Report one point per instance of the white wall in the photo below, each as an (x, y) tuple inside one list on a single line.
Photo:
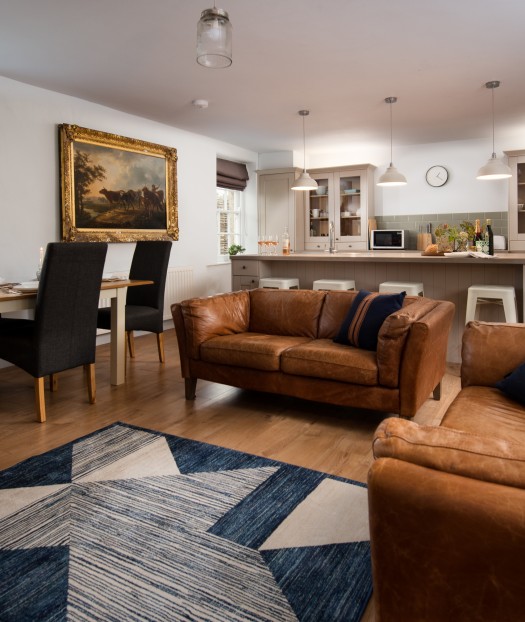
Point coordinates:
[(30, 195)]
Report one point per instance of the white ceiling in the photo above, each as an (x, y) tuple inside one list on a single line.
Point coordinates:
[(337, 58)]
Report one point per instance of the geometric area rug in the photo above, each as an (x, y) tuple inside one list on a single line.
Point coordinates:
[(128, 524)]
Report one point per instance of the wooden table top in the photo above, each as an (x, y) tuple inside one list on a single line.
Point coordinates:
[(104, 286)]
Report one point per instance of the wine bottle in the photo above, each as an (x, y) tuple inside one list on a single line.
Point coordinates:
[(286, 242), (478, 237), (489, 237)]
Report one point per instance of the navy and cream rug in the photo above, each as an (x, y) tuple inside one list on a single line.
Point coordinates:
[(129, 524)]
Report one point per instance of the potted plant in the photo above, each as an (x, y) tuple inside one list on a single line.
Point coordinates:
[(468, 227), (444, 238), (235, 249)]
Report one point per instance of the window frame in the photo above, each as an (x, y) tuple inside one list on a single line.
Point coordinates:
[(234, 213)]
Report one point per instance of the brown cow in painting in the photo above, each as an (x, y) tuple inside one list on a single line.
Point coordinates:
[(113, 196)]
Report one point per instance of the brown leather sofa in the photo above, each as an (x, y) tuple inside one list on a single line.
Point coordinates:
[(281, 341), (447, 503)]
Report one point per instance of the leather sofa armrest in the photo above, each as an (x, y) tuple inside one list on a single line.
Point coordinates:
[(451, 451), (490, 351), (204, 318), (424, 357), (444, 547)]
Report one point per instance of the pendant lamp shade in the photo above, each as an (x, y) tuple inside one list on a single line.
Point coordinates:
[(214, 39), (494, 168), (391, 177), (304, 181)]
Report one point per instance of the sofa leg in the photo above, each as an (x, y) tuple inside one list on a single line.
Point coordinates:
[(437, 391), (190, 384)]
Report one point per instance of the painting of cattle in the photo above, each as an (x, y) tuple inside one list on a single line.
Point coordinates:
[(116, 189)]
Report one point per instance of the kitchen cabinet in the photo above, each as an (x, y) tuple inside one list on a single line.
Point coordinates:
[(517, 200), (278, 206), (246, 273), (343, 200)]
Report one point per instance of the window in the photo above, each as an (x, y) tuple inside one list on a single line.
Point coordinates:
[(229, 216)]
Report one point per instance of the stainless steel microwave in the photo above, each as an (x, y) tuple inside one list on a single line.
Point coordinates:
[(388, 239)]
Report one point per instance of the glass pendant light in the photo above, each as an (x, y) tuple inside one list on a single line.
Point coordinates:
[(304, 181), (494, 168), (214, 39), (391, 177)]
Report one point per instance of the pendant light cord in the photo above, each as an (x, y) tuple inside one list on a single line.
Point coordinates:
[(493, 143), (391, 135), (390, 101), (304, 147)]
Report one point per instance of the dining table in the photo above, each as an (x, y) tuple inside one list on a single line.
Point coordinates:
[(112, 289)]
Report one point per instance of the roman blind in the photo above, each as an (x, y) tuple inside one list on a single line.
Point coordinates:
[(232, 175)]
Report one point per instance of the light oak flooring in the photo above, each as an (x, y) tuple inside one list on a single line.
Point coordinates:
[(332, 439)]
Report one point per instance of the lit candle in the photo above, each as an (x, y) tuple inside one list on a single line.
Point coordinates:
[(41, 257)]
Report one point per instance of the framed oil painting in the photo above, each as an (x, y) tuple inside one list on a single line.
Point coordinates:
[(116, 189)]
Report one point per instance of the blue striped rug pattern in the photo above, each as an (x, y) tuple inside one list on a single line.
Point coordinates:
[(129, 524)]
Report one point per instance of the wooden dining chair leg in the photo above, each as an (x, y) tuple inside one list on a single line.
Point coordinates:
[(160, 347), (131, 343), (92, 385), (53, 382), (40, 401)]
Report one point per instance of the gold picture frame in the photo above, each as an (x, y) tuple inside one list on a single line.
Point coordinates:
[(116, 189)]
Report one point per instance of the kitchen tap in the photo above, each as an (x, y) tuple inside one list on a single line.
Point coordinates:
[(331, 237)]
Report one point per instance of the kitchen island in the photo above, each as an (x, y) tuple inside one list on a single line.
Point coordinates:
[(443, 278)]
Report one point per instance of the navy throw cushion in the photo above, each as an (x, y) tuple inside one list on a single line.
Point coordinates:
[(513, 384), (365, 317)]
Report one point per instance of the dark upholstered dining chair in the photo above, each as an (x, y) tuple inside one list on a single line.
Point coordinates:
[(145, 304), (63, 332)]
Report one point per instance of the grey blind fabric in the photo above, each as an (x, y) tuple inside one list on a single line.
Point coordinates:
[(232, 175)]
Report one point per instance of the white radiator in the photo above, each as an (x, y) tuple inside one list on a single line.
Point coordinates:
[(179, 286)]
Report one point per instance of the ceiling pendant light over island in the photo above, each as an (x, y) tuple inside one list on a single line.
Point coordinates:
[(304, 181), (391, 177), (494, 168)]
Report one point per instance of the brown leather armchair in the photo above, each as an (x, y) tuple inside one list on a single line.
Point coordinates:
[(447, 503)]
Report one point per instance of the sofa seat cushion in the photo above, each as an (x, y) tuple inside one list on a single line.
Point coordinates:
[(252, 350), (488, 412), (322, 358)]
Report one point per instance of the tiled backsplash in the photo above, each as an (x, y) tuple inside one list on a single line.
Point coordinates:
[(413, 222)]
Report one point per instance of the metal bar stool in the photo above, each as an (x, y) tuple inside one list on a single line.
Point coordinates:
[(279, 283), (329, 284), (491, 294), (394, 287)]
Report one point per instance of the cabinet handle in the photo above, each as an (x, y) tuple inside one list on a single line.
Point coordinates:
[(244, 267)]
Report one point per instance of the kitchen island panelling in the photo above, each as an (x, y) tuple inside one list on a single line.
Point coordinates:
[(443, 278)]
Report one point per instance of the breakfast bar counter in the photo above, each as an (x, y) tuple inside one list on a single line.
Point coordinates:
[(443, 277)]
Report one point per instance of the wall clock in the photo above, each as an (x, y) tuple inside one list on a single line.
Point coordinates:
[(437, 176)]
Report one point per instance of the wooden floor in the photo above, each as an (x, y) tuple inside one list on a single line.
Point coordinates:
[(332, 439)]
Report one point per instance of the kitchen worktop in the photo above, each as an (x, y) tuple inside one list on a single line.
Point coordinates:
[(387, 256)]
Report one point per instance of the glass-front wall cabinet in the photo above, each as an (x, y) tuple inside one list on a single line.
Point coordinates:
[(517, 201), (341, 204)]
